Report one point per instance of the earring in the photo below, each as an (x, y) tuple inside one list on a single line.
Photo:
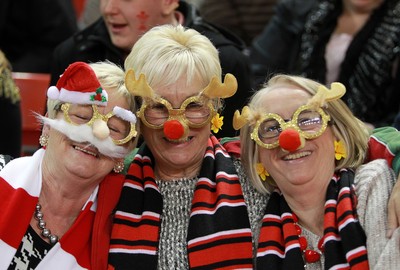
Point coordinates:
[(216, 123), (340, 150), (261, 171), (119, 166), (43, 140)]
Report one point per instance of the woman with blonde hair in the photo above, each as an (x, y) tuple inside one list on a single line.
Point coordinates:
[(185, 203), (303, 148)]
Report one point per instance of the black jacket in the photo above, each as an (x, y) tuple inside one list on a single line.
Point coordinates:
[(276, 48), (93, 44), (30, 30), (294, 42)]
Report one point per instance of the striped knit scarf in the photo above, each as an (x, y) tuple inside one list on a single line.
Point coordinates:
[(344, 239), (20, 185), (219, 234)]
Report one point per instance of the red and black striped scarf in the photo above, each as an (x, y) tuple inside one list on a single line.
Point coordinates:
[(344, 239), (219, 234)]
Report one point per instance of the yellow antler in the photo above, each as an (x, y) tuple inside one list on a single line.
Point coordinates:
[(239, 120), (138, 87), (324, 94), (216, 89)]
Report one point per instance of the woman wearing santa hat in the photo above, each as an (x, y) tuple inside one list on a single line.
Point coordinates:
[(57, 204)]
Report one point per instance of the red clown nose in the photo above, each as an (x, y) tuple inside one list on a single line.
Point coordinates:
[(290, 140), (173, 129)]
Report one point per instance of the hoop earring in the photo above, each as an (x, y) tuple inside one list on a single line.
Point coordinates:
[(119, 166), (44, 140)]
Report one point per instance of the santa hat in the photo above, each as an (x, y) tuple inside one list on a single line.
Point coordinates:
[(79, 85)]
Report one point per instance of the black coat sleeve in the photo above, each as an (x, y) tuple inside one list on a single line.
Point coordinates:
[(273, 50)]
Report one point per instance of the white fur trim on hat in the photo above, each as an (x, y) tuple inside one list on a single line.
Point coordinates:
[(82, 97)]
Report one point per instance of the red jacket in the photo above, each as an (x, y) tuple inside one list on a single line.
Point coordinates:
[(109, 192)]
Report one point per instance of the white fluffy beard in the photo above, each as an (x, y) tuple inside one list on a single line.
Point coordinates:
[(84, 134)]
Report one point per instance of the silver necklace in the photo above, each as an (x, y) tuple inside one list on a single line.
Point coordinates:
[(42, 225)]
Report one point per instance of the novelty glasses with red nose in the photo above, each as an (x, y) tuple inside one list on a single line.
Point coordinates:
[(121, 129), (195, 112), (309, 122)]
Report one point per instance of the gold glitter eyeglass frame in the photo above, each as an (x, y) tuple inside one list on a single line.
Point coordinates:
[(177, 113), (293, 123), (97, 115)]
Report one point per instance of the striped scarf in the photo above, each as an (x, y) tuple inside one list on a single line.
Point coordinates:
[(219, 234), (20, 185), (344, 239)]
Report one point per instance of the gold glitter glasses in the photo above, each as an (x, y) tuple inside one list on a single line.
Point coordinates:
[(121, 130), (195, 112), (310, 123)]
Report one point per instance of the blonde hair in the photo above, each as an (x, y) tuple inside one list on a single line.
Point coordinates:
[(345, 126), (167, 52), (8, 88)]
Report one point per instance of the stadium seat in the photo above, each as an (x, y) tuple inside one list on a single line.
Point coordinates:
[(33, 88)]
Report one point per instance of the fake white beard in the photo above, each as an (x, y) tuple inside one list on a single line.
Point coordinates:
[(84, 134)]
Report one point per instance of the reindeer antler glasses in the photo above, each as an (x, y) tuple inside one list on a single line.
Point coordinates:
[(194, 112), (308, 121)]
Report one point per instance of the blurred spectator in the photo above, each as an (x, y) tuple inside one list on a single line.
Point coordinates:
[(195, 3), (353, 42), (10, 111), (123, 22), (30, 30), (90, 14), (245, 18)]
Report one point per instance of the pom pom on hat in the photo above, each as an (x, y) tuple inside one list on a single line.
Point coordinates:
[(78, 85), (53, 93)]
